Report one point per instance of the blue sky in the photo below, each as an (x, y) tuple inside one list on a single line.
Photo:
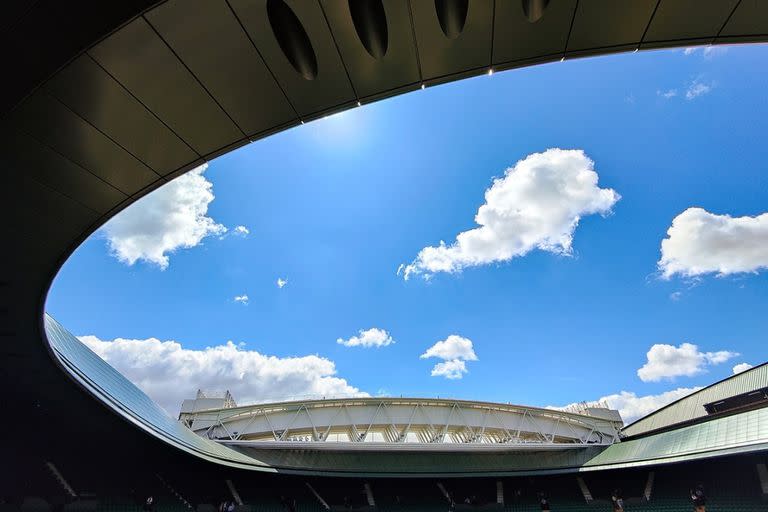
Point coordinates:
[(335, 206)]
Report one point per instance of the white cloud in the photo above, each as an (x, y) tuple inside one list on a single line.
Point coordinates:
[(241, 231), (707, 51), (676, 296), (281, 282), (670, 93), (712, 51), (372, 337), (169, 373), (696, 89), (632, 407), (668, 361), (741, 367), (453, 347), (699, 242), (537, 204), (454, 351), (453, 369), (172, 217), (243, 299)]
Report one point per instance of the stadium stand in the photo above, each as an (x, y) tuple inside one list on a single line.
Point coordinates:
[(732, 485)]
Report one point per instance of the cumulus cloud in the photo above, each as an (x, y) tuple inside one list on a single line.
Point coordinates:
[(676, 296), (453, 347), (242, 299), (372, 337), (633, 407), (169, 373), (453, 369), (699, 242), (172, 217), (281, 282), (741, 367), (454, 351), (696, 89), (668, 361), (241, 231), (537, 204)]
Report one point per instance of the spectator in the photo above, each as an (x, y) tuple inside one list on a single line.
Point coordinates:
[(288, 505), (544, 502), (618, 501), (699, 499)]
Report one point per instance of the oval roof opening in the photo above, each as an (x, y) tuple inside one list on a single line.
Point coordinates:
[(292, 38), (370, 22), (534, 9), (452, 15)]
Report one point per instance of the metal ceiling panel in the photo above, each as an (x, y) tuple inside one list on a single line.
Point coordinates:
[(52, 123), (517, 39), (46, 207), (95, 96), (331, 87), (139, 59), (440, 54), (688, 19), (207, 36), (609, 23), (750, 19), (46, 166), (371, 75), (50, 34), (13, 11)]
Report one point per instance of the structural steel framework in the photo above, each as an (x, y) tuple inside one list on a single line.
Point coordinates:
[(395, 423)]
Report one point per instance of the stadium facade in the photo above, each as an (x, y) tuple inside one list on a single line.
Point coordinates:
[(104, 102)]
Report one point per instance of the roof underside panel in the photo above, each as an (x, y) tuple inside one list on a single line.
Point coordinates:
[(209, 39)]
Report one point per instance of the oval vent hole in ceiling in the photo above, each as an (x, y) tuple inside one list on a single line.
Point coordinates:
[(534, 9), (292, 38), (371, 25), (452, 15)]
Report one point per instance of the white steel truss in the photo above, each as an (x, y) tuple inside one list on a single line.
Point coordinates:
[(402, 423)]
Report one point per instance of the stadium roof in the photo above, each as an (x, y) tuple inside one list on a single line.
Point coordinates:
[(691, 407), (104, 102), (391, 423), (744, 432)]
